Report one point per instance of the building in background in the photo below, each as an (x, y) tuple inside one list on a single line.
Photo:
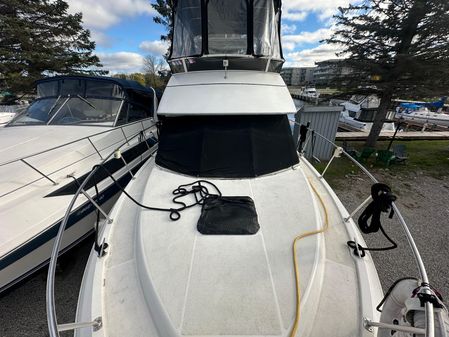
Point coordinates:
[(295, 76), (327, 71)]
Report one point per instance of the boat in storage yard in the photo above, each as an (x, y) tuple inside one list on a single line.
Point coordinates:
[(48, 149), (226, 231)]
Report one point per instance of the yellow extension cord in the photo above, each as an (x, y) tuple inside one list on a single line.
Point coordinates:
[(299, 237)]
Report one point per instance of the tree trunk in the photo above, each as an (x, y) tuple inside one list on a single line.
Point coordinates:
[(414, 17), (381, 114)]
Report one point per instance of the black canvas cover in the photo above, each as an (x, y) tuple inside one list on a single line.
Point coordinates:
[(226, 146), (228, 216)]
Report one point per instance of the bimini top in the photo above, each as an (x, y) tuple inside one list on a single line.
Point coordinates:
[(244, 32), (87, 100), (87, 86)]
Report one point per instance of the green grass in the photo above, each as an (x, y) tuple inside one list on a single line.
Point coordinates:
[(424, 157)]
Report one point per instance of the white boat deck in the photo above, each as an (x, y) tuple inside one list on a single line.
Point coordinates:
[(27, 213), (177, 282)]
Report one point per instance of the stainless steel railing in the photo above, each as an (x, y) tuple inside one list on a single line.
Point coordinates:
[(25, 159), (53, 326), (430, 328)]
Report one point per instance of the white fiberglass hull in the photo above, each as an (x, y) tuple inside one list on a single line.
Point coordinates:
[(430, 118), (163, 278), (350, 122), (36, 253), (31, 207)]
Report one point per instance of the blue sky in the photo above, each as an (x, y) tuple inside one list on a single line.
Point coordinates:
[(124, 31)]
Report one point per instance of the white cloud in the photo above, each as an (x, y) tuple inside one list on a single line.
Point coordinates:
[(156, 47), (297, 10), (295, 15), (99, 15), (121, 62), (288, 29), (100, 38), (308, 37), (102, 14), (308, 57)]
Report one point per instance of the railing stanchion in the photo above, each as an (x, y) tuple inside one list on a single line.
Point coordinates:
[(337, 153), (96, 324), (117, 155), (41, 173), (91, 143), (96, 205), (395, 327), (363, 204), (124, 135)]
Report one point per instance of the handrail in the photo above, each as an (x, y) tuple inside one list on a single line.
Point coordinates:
[(88, 138), (430, 329), (72, 142), (50, 296)]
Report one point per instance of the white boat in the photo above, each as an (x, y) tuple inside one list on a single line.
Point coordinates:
[(266, 253), (50, 147), (310, 92), (421, 115), (347, 120), (359, 113)]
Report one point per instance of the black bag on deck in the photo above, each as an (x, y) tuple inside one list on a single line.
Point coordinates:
[(228, 216)]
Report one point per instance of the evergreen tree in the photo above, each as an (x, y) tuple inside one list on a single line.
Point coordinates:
[(165, 18), (401, 46), (38, 38)]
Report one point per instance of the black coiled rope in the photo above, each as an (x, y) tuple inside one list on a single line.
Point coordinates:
[(382, 202), (197, 188)]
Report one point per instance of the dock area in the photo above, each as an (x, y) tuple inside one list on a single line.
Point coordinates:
[(385, 135)]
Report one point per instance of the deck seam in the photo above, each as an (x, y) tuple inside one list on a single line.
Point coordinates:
[(276, 300)]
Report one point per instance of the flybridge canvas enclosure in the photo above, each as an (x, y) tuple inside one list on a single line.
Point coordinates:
[(227, 27), (207, 31)]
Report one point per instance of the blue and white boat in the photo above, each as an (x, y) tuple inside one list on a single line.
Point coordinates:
[(421, 113), (48, 149)]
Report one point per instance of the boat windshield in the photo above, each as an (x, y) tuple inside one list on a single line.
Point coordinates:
[(70, 111)]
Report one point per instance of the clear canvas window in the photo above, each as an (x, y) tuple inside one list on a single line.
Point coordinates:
[(227, 26), (187, 39), (47, 89), (266, 29), (103, 89), (72, 87)]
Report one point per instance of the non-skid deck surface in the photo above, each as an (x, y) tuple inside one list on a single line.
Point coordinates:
[(193, 284)]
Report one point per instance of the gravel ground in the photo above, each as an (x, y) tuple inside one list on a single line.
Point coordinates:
[(424, 204), (423, 200), (22, 309)]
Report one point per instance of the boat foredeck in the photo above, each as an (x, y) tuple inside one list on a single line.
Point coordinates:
[(180, 282)]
